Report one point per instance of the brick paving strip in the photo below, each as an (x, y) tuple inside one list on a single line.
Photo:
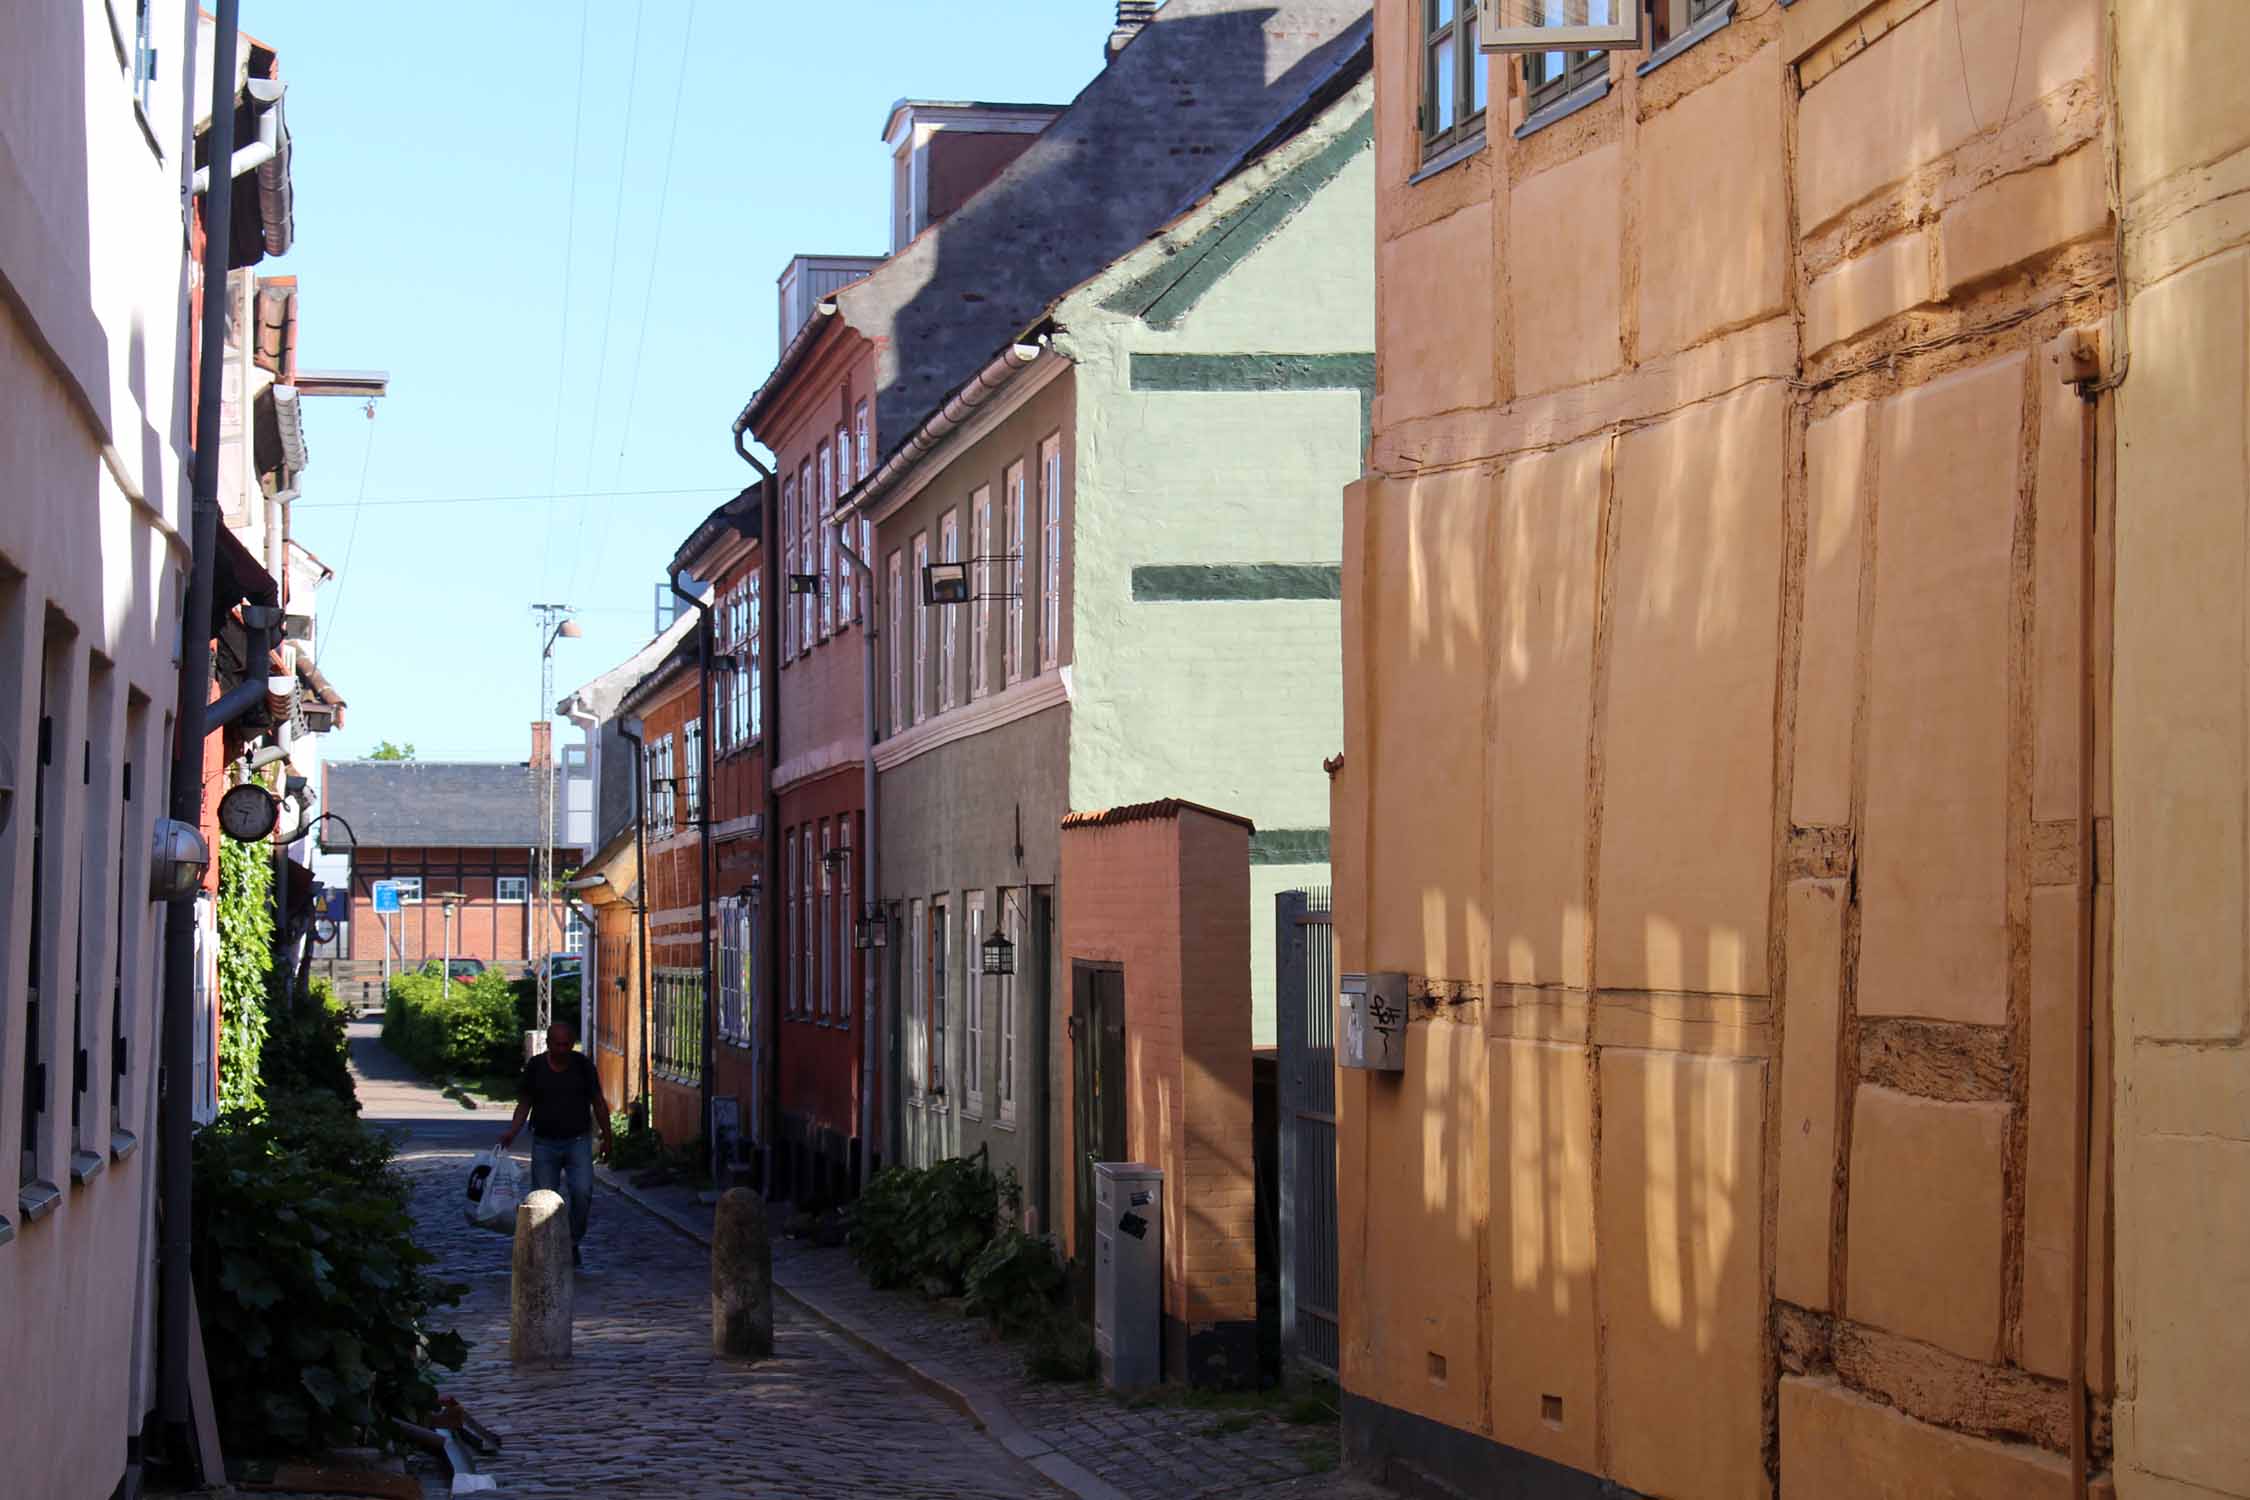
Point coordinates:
[(1086, 1441)]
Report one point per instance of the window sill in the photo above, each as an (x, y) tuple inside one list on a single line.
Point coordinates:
[(1004, 1124), (122, 1144), (85, 1166), (7, 1230), (36, 1200), (1451, 156), (1563, 108), (1714, 22)]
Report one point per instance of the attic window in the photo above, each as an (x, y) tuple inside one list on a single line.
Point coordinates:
[(1453, 75)]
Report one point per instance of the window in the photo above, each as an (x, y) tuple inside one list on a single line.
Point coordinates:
[(736, 976), (1675, 18), (33, 1041), (690, 774), (1006, 1069), (827, 544), (921, 630), (937, 997), (846, 913), (1550, 77), (788, 564), (1453, 76), (144, 57), (972, 1030), (574, 935), (866, 454), (805, 942), (755, 641), (867, 556), (678, 1039), (808, 561), (1050, 551), (949, 634), (821, 936), (1011, 637), (513, 888), (847, 587), (793, 983), (917, 1005), (661, 802), (897, 623), (409, 889), (980, 574)]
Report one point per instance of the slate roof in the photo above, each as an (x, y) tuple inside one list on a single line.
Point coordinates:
[(1203, 83), (434, 803)]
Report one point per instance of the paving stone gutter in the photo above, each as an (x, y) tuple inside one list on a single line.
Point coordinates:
[(684, 1210)]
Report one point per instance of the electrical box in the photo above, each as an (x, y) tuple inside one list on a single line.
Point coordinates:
[(1129, 1273), (1371, 1022)]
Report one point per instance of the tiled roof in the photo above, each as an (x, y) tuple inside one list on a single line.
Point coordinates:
[(434, 803), (1150, 812), (1204, 82)]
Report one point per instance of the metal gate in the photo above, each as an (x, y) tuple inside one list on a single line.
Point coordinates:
[(1305, 1023)]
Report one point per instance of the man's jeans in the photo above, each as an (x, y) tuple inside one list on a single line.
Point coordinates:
[(570, 1159)]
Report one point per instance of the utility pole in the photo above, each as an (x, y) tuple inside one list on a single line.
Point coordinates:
[(554, 623)]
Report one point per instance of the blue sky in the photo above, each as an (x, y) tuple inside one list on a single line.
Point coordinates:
[(434, 191)]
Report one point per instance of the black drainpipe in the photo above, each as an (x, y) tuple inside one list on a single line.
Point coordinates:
[(706, 875), (176, 1107), (772, 603)]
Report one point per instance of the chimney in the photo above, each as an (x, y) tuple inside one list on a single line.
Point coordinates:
[(542, 743), (1132, 15)]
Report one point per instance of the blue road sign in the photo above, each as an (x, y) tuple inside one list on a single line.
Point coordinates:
[(386, 896)]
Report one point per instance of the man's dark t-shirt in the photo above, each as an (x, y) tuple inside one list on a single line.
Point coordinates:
[(562, 1100)]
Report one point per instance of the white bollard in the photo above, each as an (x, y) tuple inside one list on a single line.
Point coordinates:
[(539, 1305)]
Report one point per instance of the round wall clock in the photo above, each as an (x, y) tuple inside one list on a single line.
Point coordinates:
[(248, 812)]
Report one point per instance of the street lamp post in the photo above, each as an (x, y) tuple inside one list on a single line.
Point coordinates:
[(451, 901), (555, 623)]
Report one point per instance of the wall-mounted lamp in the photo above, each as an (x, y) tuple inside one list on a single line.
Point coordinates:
[(804, 583), (945, 583)]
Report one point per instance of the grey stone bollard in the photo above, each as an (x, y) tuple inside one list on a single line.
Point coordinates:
[(741, 1278), (539, 1304)]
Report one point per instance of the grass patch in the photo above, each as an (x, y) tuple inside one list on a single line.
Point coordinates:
[(1318, 1457)]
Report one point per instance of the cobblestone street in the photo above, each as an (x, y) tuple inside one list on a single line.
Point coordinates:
[(864, 1398)]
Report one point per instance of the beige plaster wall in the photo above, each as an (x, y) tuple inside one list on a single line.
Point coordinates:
[(1712, 669), (2183, 1071)]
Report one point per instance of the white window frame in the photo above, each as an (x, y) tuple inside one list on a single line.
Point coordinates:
[(866, 453), (897, 624), (847, 587), (520, 884), (827, 543), (949, 629), (845, 915), (808, 615), (793, 982), (1012, 642), (917, 1005), (1504, 28), (921, 629), (941, 995), (822, 966), (1005, 1065), (788, 563), (755, 642), (807, 944), (1050, 551), (972, 991), (980, 623)]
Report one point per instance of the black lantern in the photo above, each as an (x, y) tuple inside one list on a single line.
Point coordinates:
[(999, 954), (804, 583), (870, 932)]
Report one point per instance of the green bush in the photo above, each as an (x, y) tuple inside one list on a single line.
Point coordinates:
[(1014, 1281), (306, 1048), (633, 1143), (925, 1225), (1060, 1349), (317, 1304), (565, 1002), (473, 1030), (245, 925)]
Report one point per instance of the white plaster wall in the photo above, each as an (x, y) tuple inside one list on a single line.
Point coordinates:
[(92, 405), (1234, 704)]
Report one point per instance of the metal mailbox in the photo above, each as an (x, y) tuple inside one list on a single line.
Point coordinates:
[(1371, 1022), (1129, 1273)]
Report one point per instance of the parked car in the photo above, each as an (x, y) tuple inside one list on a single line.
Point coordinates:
[(463, 968), (563, 965)]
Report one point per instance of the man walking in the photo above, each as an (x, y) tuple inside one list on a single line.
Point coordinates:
[(561, 1094)]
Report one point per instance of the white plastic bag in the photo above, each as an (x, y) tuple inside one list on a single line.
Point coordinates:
[(495, 1188)]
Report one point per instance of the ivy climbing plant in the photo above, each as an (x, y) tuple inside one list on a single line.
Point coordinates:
[(245, 959)]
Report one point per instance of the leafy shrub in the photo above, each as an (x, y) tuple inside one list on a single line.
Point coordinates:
[(306, 1047), (316, 1302), (1014, 1280), (879, 1236), (1060, 1349), (925, 1225), (633, 1143), (526, 991), (472, 1030), (245, 924)]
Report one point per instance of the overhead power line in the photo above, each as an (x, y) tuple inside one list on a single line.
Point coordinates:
[(699, 489), (570, 246)]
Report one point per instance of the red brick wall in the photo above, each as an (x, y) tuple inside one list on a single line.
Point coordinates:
[(483, 926), (820, 1059), (1168, 899)]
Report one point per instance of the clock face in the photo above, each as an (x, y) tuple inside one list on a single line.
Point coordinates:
[(248, 812)]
